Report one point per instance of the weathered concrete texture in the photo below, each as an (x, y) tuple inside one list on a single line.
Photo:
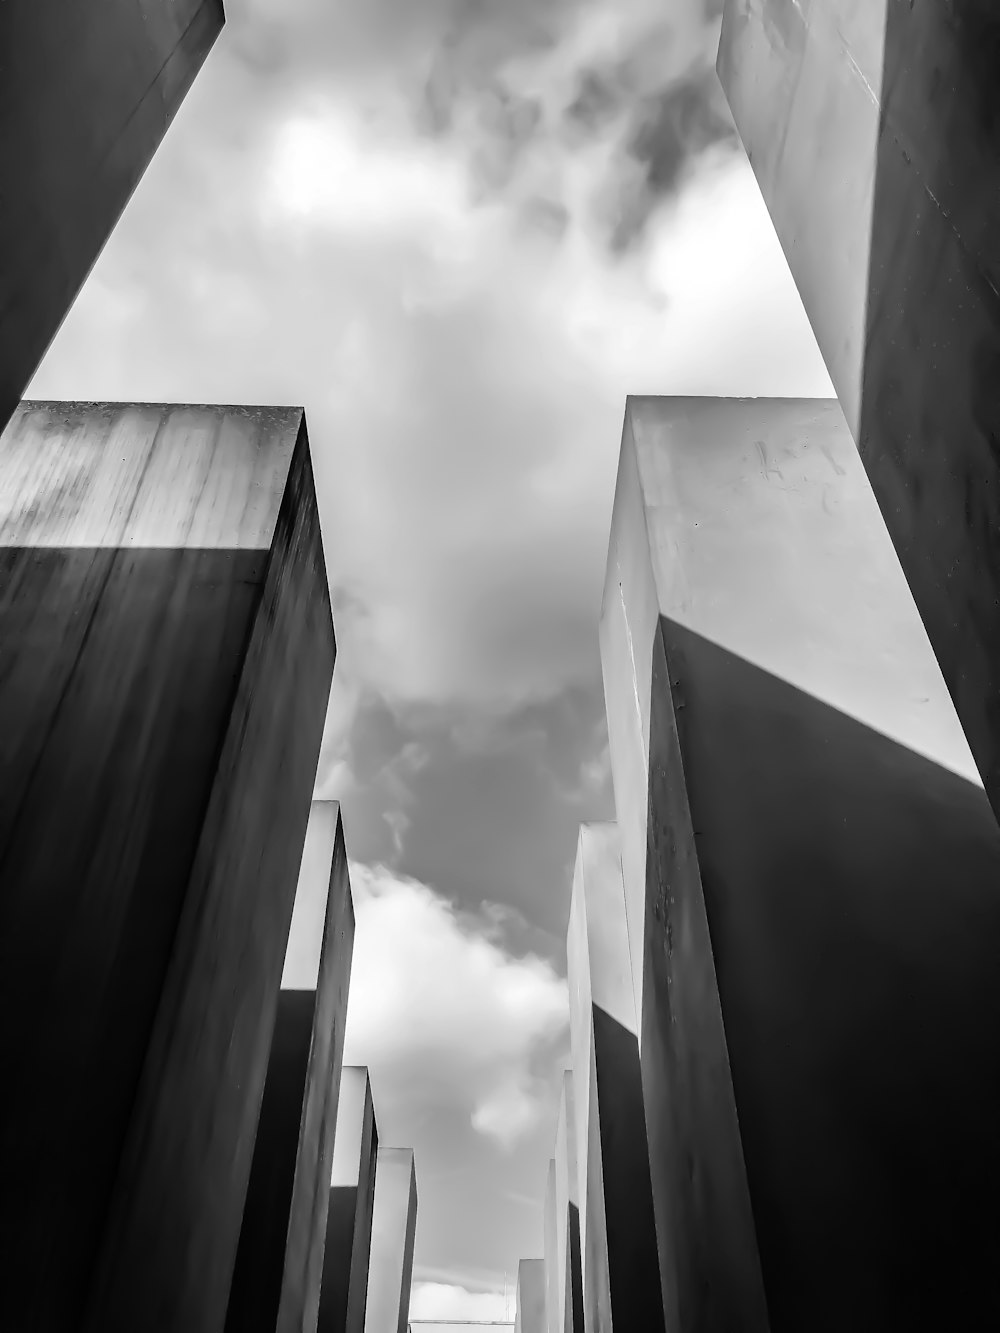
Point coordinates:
[(352, 1195), (86, 94), (874, 132), (812, 962), (531, 1316), (279, 1262), (167, 656), (621, 1278), (394, 1225)]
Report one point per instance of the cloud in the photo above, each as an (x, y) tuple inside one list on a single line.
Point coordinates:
[(445, 1300), (445, 1008)]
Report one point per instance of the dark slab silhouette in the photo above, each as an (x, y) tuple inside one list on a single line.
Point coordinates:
[(87, 92), (874, 131), (276, 1279), (349, 1221), (824, 920), (162, 706)]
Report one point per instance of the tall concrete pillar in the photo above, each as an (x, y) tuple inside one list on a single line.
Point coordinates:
[(352, 1196), (621, 1277), (814, 901), (531, 1313), (394, 1226), (86, 94), (872, 130), (565, 1279), (167, 650), (554, 1277), (279, 1262)]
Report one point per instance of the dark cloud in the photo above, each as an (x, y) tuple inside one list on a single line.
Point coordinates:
[(598, 98), (677, 123)]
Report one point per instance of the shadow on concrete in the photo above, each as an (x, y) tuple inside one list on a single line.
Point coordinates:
[(929, 431), (835, 897)]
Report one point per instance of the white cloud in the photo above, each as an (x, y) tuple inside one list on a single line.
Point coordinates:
[(443, 1300), (439, 1003)]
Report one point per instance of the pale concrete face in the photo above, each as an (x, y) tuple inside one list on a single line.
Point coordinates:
[(751, 522), (872, 126), (305, 937), (553, 1306), (393, 1223), (355, 1092), (600, 973), (805, 86), (531, 1297), (145, 475)]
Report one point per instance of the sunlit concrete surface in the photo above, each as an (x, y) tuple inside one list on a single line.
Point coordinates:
[(394, 1223), (531, 1315), (621, 1279), (872, 127), (819, 901), (167, 651), (554, 1276), (352, 1196), (86, 94), (569, 1284), (279, 1263), (751, 522)]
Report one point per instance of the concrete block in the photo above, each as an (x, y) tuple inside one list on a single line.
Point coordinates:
[(874, 132), (621, 1277), (821, 912), (554, 1276), (531, 1314), (86, 95), (394, 1225), (569, 1276), (352, 1196), (168, 650), (279, 1262)]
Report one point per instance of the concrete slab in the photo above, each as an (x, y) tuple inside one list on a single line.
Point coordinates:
[(872, 127), (828, 1144), (567, 1196), (352, 1196), (86, 94), (394, 1224), (531, 1314), (621, 1278), (279, 1262), (168, 650), (554, 1276)]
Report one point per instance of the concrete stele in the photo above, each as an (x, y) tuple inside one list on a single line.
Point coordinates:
[(531, 1311), (620, 1274), (871, 128), (352, 1195), (279, 1263), (168, 650), (785, 825), (394, 1222)]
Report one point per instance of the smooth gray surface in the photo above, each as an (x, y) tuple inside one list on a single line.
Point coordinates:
[(394, 1221), (279, 1263), (347, 1252), (620, 1273), (751, 521), (873, 127), (87, 92), (821, 901), (531, 1316), (162, 696)]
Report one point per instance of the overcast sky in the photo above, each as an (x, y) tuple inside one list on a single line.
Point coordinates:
[(459, 232)]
